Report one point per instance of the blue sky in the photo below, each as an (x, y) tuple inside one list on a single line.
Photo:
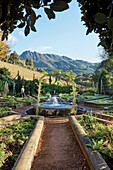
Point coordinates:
[(65, 35)]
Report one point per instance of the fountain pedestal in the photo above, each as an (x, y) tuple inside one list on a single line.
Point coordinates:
[(55, 106)]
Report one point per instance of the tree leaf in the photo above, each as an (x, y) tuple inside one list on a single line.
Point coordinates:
[(21, 25), (110, 22), (67, 1), (59, 6), (100, 18), (0, 11), (38, 16), (33, 28), (49, 13), (27, 30), (46, 1), (28, 9), (33, 17)]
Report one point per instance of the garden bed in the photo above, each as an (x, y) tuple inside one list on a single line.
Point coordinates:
[(15, 102), (9, 118), (13, 138), (95, 103), (93, 157), (102, 115)]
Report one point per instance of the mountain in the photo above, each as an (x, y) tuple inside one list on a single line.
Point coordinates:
[(50, 62)]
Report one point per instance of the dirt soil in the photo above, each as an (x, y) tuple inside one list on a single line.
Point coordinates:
[(58, 148)]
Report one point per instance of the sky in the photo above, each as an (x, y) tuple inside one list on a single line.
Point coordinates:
[(65, 36)]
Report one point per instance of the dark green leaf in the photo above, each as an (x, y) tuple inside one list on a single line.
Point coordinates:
[(90, 29), (33, 28), (3, 37), (38, 16), (28, 9), (46, 1), (0, 11), (110, 22), (67, 1), (49, 13), (27, 30), (59, 6), (21, 25), (100, 18), (28, 22), (33, 17)]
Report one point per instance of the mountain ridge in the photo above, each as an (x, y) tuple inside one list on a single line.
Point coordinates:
[(50, 62)]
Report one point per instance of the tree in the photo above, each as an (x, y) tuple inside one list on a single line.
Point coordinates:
[(105, 80), (57, 74), (68, 76), (98, 17), (22, 13), (14, 58), (4, 50), (4, 73), (29, 62)]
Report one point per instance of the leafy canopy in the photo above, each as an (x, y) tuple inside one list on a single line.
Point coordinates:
[(22, 13), (98, 17)]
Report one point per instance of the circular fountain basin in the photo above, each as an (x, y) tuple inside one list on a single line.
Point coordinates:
[(55, 106), (60, 109)]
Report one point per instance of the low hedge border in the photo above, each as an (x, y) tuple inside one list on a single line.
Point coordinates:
[(94, 158)]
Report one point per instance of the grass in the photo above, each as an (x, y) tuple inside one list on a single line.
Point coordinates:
[(24, 72)]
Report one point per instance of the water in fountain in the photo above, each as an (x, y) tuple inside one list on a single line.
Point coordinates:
[(55, 106), (54, 102)]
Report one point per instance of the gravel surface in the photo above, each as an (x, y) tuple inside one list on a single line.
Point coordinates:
[(58, 148)]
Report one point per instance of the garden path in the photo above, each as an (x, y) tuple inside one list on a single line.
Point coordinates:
[(58, 148), (22, 110)]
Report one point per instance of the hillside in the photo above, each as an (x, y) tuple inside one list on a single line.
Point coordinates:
[(50, 62), (24, 72), (27, 73)]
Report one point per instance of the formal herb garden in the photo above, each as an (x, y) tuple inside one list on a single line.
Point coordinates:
[(5, 111), (101, 136), (12, 139)]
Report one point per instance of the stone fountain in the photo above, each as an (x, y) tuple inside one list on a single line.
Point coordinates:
[(55, 106)]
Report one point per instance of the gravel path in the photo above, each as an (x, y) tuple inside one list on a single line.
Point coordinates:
[(58, 148)]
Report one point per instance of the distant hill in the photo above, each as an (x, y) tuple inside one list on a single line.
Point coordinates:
[(50, 62), (23, 72)]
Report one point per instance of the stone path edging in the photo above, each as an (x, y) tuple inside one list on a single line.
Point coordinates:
[(9, 118), (24, 160), (94, 159)]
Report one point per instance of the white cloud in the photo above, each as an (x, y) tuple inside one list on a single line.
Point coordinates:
[(21, 33), (44, 48), (12, 39)]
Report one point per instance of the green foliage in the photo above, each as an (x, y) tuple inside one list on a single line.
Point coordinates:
[(21, 14), (100, 134), (14, 58), (2, 84), (12, 138), (98, 16), (4, 111), (29, 62)]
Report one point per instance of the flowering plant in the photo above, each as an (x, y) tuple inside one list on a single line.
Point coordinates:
[(100, 134), (12, 138)]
